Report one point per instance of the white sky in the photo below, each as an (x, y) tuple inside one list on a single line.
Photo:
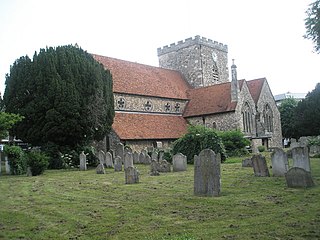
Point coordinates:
[(265, 37)]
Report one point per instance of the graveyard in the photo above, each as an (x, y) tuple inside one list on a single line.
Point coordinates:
[(73, 204)]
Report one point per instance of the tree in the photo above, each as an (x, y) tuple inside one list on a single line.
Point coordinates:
[(307, 114), (312, 24), (234, 142), (287, 111), (7, 121), (64, 94)]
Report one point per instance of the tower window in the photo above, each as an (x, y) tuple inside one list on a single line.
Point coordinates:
[(247, 118)]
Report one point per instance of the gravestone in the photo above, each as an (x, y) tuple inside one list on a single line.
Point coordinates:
[(128, 160), (293, 143), (83, 161), (260, 167), (161, 153), (127, 150), (145, 152), (7, 165), (119, 151), (300, 157), (247, 162), (142, 157), (207, 181), (154, 166), (279, 160), (102, 157), (117, 164), (154, 156), (164, 166), (179, 162), (131, 175), (29, 172), (303, 142), (135, 157), (108, 160), (100, 169), (147, 159), (298, 177), (314, 151)]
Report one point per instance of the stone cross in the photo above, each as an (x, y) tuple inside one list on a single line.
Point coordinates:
[(179, 162), (279, 161), (83, 161), (298, 177), (131, 175), (260, 167), (207, 180), (117, 164), (300, 157), (108, 160)]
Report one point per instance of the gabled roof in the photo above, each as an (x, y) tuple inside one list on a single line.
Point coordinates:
[(210, 100), (133, 126), (255, 87), (135, 78)]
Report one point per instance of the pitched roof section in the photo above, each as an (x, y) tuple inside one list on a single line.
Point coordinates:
[(255, 87), (135, 78), (132, 126), (210, 100)]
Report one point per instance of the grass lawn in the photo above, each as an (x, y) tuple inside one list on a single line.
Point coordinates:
[(65, 204)]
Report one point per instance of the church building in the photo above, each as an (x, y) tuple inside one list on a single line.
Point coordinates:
[(154, 105)]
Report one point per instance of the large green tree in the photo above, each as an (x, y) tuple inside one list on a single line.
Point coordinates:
[(287, 111), (312, 24), (63, 93)]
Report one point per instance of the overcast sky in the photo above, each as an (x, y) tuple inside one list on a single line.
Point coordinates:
[(265, 37)]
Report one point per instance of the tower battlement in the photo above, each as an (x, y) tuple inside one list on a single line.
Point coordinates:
[(192, 41)]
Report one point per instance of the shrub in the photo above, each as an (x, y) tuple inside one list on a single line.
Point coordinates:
[(37, 161), (197, 139), (261, 148), (167, 156), (235, 143), (17, 160)]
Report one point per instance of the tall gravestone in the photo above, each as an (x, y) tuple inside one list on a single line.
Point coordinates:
[(128, 160), (279, 160), (102, 157), (142, 158), (117, 164), (108, 160), (120, 151), (207, 174), (298, 178), (131, 175), (135, 157), (259, 165), (300, 157), (179, 162), (83, 161)]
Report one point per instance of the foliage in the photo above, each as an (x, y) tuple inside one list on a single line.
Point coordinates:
[(65, 95), (287, 113), (234, 142), (167, 155), (37, 161), (7, 121), (312, 24), (16, 158), (195, 140), (307, 114), (261, 148)]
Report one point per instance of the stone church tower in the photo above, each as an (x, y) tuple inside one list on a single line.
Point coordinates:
[(201, 61)]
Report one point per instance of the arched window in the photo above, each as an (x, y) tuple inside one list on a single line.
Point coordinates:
[(268, 118), (247, 118)]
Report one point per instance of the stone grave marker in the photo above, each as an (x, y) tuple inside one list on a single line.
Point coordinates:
[(120, 151), (154, 156), (131, 175), (298, 177), (207, 180), (247, 162), (83, 161), (147, 159), (127, 149), (108, 160), (314, 150), (300, 157), (260, 167), (179, 162), (293, 143), (7, 165), (128, 160), (135, 157), (142, 158), (161, 153), (102, 157), (117, 164), (154, 166), (303, 142), (100, 169), (279, 160), (164, 166)]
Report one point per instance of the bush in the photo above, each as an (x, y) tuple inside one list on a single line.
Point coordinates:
[(261, 148), (167, 156), (38, 162), (235, 143), (197, 139), (17, 160)]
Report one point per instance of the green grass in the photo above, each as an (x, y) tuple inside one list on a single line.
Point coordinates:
[(85, 205)]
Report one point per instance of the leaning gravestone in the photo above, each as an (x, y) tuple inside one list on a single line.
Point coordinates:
[(247, 162), (207, 181), (120, 151), (179, 162), (117, 164), (300, 157), (108, 160), (142, 158), (135, 157), (100, 169), (102, 157), (154, 166), (128, 160), (131, 175), (83, 162), (298, 177), (260, 167), (279, 161)]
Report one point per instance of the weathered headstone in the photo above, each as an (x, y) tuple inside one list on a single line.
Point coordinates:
[(100, 169), (108, 160), (83, 161), (117, 164), (147, 159), (161, 153), (260, 167), (303, 142), (128, 160), (179, 162), (29, 172), (207, 180), (7, 165), (164, 166), (102, 157), (154, 156), (120, 151), (300, 157), (314, 151), (127, 149), (293, 143), (154, 166), (135, 157), (131, 175), (279, 160), (247, 162), (142, 158), (298, 177)]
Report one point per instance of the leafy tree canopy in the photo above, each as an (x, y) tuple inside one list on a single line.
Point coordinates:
[(287, 112), (312, 24), (7, 121), (63, 93)]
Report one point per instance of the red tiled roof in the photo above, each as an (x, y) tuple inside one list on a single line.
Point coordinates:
[(209, 100), (131, 126), (255, 87), (135, 78)]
